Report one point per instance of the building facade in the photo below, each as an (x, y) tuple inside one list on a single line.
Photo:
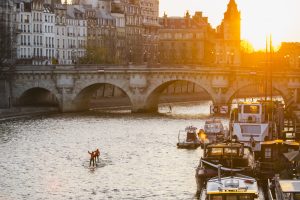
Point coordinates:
[(76, 30), (117, 12), (150, 23), (49, 33), (191, 39), (289, 54), (7, 33), (121, 32), (186, 40), (228, 40)]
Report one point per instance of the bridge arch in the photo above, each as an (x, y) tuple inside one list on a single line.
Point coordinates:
[(38, 96), (154, 93), (83, 93), (231, 93)]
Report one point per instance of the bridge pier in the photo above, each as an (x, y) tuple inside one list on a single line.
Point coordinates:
[(139, 105), (67, 103)]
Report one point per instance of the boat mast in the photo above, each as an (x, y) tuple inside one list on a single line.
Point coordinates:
[(270, 64), (271, 87), (266, 70)]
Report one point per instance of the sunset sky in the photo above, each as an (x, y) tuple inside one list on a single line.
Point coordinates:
[(260, 18)]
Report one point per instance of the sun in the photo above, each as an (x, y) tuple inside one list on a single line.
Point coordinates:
[(278, 18)]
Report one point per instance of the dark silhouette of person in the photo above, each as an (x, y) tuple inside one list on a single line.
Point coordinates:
[(170, 108), (97, 154), (93, 157)]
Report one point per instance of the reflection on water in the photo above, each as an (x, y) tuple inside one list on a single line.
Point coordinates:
[(46, 157)]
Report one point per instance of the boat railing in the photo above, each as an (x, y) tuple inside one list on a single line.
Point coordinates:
[(271, 190)]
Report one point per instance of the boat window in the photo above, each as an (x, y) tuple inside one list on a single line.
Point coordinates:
[(240, 109), (232, 197), (268, 152), (213, 127), (230, 151), (296, 196), (191, 137), (253, 109), (216, 197), (253, 129), (245, 197), (215, 151)]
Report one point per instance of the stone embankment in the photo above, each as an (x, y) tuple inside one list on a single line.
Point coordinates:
[(18, 112)]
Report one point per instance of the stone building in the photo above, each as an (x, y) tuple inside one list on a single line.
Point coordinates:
[(150, 23), (61, 34), (133, 31), (122, 30), (289, 54), (141, 26), (36, 26), (49, 32), (118, 14), (186, 40), (7, 33), (101, 31), (227, 50), (76, 30)]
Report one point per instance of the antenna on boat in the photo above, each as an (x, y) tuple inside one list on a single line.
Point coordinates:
[(271, 82), (219, 173), (271, 85)]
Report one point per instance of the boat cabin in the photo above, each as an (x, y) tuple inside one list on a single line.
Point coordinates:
[(251, 126), (232, 188), (271, 159), (224, 150), (288, 189), (231, 154), (214, 130), (188, 138), (191, 134), (213, 126), (272, 150), (251, 113)]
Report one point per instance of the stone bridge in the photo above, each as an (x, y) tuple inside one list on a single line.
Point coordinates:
[(72, 86)]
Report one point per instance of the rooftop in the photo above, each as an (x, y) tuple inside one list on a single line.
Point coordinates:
[(234, 184)]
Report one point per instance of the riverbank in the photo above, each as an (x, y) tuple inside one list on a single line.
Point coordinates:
[(104, 103), (20, 112)]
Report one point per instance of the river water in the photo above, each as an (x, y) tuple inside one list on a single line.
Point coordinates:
[(47, 158)]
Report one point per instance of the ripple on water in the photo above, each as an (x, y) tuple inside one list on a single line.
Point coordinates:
[(46, 158)]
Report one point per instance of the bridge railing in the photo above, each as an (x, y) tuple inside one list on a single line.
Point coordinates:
[(252, 71)]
